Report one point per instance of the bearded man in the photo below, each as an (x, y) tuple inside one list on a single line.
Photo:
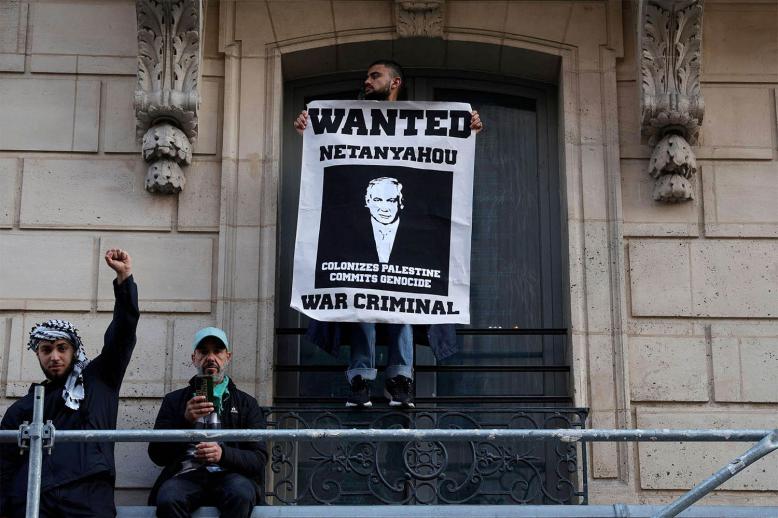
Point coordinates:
[(78, 477), (227, 475)]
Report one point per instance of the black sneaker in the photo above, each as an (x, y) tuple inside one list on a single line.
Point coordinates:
[(398, 391), (360, 393)]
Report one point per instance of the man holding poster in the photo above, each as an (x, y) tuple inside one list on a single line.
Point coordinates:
[(385, 212)]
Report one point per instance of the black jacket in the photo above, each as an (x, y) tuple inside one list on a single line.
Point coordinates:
[(71, 461), (241, 411)]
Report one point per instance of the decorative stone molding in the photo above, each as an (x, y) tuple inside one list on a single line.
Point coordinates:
[(167, 97), (419, 18), (672, 106)]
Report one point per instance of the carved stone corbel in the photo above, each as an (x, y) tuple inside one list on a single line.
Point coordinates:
[(419, 18), (671, 104), (167, 98)]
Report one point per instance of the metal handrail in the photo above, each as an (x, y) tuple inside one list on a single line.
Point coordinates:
[(33, 435), (402, 435)]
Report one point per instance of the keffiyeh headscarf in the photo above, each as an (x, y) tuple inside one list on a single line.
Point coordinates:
[(51, 330)]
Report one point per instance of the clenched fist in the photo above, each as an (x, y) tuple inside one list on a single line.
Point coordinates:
[(120, 262)]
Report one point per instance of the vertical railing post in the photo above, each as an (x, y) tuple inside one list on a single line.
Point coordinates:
[(36, 455)]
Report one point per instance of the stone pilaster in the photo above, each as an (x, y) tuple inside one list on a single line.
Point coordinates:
[(167, 97), (672, 106), (419, 18)]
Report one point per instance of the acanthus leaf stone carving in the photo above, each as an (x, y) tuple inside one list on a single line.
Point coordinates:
[(671, 102), (673, 165), (420, 18), (167, 97)]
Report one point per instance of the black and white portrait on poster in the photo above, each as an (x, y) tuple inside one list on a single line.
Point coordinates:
[(384, 224)]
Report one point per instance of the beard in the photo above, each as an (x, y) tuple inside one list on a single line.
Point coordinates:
[(56, 377), (378, 95), (217, 376)]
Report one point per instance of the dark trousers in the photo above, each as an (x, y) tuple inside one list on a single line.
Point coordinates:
[(233, 494), (91, 497)]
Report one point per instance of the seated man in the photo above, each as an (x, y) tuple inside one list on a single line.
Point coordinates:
[(229, 475), (77, 478)]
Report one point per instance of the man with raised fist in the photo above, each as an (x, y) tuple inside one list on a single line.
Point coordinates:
[(78, 477)]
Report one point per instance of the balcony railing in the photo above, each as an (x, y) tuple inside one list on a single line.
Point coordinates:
[(502, 471)]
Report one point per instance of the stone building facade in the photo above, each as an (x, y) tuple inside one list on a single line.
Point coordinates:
[(673, 313)]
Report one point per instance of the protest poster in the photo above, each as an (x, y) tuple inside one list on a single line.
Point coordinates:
[(385, 213)]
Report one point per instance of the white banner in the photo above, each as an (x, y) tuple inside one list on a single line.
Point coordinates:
[(385, 216)]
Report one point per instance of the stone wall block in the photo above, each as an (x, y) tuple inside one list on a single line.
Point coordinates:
[(252, 135), (353, 15), (53, 64), (247, 263), (735, 278), (134, 469), (712, 278), (267, 263), (660, 266), (10, 331), (245, 342), (595, 188), (85, 28), (605, 456), (49, 114), (589, 28), (15, 339), (742, 45), (643, 216), (86, 126), (744, 367), (119, 124), (740, 199), (146, 373), (486, 15), (590, 84), (106, 65), (628, 97), (11, 62), (198, 206), (602, 401), (106, 194), (8, 179), (626, 65), (727, 373), (301, 18), (173, 273), (676, 466), (668, 368), (737, 119), (538, 19), (659, 327), (253, 28), (599, 283), (31, 279), (209, 117), (13, 35), (249, 190)]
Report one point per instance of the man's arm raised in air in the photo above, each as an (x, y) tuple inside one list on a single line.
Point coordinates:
[(119, 340)]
